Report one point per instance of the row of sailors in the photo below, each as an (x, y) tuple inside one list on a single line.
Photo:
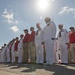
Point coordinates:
[(41, 45)]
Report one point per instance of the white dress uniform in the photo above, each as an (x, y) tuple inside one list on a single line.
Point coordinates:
[(20, 51), (13, 53), (57, 52), (63, 39), (8, 54), (39, 46), (0, 55), (3, 56), (49, 33)]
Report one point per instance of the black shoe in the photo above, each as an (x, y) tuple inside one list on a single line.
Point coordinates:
[(64, 63)]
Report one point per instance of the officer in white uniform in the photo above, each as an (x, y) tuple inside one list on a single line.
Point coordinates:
[(49, 36), (0, 55), (3, 54), (39, 44), (5, 49), (63, 40), (8, 53), (12, 51), (20, 49)]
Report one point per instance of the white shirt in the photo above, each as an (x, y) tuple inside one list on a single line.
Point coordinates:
[(64, 36), (49, 31), (12, 48), (39, 37), (20, 45)]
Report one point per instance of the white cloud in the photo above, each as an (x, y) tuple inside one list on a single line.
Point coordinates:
[(9, 17), (51, 0), (67, 10), (14, 28)]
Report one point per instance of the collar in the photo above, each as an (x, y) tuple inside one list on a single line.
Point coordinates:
[(40, 29), (48, 23), (62, 30)]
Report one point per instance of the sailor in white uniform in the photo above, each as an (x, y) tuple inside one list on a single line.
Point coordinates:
[(49, 37), (39, 45), (12, 51), (63, 40), (8, 53), (20, 49)]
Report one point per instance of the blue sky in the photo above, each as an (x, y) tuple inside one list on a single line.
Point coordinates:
[(16, 15)]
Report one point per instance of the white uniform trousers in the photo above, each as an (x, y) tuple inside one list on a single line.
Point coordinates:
[(20, 55), (39, 53), (49, 45), (13, 57), (8, 56), (64, 52)]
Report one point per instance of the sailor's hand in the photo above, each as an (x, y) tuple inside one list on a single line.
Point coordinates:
[(42, 43), (53, 38)]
